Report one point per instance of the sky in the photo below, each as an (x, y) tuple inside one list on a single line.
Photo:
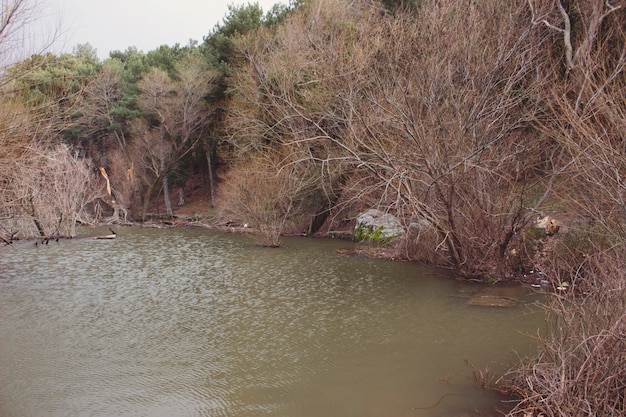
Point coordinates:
[(109, 25)]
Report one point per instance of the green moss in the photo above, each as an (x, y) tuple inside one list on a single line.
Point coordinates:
[(368, 234), (489, 279)]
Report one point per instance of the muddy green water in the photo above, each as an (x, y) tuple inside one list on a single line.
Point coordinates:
[(190, 322)]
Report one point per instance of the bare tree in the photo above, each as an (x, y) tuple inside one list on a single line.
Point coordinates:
[(180, 116), (15, 145), (22, 33), (99, 100), (59, 191), (578, 43), (432, 111), (47, 193), (45, 188), (99, 122)]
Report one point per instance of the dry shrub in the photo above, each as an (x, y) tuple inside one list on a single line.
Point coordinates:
[(50, 192), (421, 235), (45, 188), (580, 367), (270, 196), (566, 257)]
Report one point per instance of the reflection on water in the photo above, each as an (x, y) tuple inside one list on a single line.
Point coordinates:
[(189, 322)]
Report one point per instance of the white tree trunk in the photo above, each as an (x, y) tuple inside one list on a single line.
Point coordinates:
[(181, 196)]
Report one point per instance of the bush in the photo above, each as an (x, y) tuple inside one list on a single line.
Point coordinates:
[(580, 366), (270, 197)]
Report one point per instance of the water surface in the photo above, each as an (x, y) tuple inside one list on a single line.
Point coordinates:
[(190, 322)]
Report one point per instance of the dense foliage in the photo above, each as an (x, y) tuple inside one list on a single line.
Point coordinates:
[(466, 120)]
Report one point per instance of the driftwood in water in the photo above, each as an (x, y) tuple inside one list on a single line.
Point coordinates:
[(113, 235), (46, 239)]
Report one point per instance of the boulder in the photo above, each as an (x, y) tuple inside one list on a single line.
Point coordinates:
[(377, 226)]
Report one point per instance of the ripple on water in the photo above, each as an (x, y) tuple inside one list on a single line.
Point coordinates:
[(195, 323)]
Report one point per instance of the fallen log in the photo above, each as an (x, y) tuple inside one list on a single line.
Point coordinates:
[(104, 237), (113, 235)]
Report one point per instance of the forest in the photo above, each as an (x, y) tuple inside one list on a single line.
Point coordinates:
[(467, 120)]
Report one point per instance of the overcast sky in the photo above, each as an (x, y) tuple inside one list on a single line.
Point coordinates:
[(110, 25)]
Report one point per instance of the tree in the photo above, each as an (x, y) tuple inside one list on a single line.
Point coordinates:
[(134, 63), (44, 187), (51, 87), (55, 191), (21, 35), (99, 103), (166, 57), (223, 59), (218, 46), (443, 138), (103, 125), (279, 12), (14, 149), (426, 116), (177, 122), (580, 23)]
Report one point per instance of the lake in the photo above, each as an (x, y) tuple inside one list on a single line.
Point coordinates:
[(194, 322)]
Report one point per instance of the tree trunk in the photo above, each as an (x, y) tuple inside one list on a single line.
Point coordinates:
[(38, 225), (116, 214), (181, 196), (166, 197), (146, 201), (211, 185)]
